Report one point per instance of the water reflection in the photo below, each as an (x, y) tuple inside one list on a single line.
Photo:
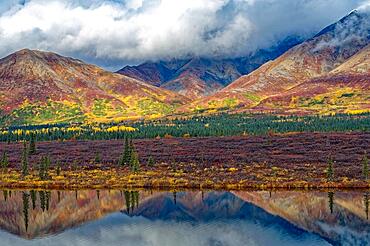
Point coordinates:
[(118, 217)]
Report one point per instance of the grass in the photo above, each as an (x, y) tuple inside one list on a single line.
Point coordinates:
[(163, 176)]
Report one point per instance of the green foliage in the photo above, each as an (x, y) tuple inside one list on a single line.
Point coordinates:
[(32, 145), (149, 107), (58, 168), (365, 166), (26, 205), (44, 166), (331, 201), (33, 198), (97, 158), (197, 126), (126, 154), (330, 170), (150, 161), (25, 168), (253, 97), (4, 161), (49, 112), (101, 107), (134, 160)]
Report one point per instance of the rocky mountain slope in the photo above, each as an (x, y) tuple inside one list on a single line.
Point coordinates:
[(344, 89), (43, 87), (197, 77), (340, 217), (315, 58)]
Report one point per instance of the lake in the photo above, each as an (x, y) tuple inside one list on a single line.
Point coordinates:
[(204, 218)]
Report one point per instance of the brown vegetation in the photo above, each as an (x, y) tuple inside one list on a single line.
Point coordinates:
[(293, 160)]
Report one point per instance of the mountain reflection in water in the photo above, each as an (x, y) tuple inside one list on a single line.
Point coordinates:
[(111, 217)]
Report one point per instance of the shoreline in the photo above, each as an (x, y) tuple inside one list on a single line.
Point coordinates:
[(111, 179)]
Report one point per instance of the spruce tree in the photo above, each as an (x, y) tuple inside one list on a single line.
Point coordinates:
[(365, 166), (126, 155), (330, 170), (4, 161), (134, 159), (32, 146), (150, 161), (42, 168), (58, 168), (26, 206), (25, 170)]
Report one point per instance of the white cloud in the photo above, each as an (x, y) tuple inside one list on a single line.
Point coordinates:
[(118, 229), (116, 32)]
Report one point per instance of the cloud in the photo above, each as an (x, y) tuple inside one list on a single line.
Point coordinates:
[(118, 229), (114, 33)]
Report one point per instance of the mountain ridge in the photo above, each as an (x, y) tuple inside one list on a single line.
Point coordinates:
[(197, 76), (313, 58), (34, 82)]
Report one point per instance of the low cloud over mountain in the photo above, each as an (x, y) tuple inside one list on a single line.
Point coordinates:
[(114, 33)]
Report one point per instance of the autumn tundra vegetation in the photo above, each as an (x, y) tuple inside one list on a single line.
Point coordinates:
[(232, 151)]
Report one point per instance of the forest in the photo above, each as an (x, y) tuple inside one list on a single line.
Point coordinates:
[(196, 126)]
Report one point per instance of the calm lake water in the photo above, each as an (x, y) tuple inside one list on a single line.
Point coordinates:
[(194, 218)]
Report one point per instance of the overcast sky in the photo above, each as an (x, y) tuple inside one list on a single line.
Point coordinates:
[(113, 33)]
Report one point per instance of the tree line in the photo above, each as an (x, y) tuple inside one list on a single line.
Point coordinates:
[(197, 126)]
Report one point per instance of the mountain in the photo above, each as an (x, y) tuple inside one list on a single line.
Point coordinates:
[(38, 214), (53, 212), (43, 87), (314, 58), (344, 89), (339, 217), (197, 77)]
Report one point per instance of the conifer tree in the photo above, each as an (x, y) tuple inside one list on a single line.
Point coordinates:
[(330, 170), (331, 201), (44, 165), (58, 168), (134, 162), (42, 168), (33, 198), (25, 170), (26, 206), (126, 155), (32, 145), (4, 161), (150, 161), (365, 166)]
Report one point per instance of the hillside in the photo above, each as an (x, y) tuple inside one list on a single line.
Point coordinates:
[(312, 59), (43, 87), (198, 77), (344, 222), (344, 89)]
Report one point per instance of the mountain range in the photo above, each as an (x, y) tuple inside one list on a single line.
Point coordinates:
[(43, 87), (314, 75), (293, 213), (199, 77), (324, 74)]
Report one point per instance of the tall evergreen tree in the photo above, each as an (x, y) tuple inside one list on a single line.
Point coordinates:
[(32, 145), (4, 161), (26, 206), (150, 161), (330, 170), (331, 201), (25, 168), (134, 162), (365, 166), (33, 198), (126, 154)]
